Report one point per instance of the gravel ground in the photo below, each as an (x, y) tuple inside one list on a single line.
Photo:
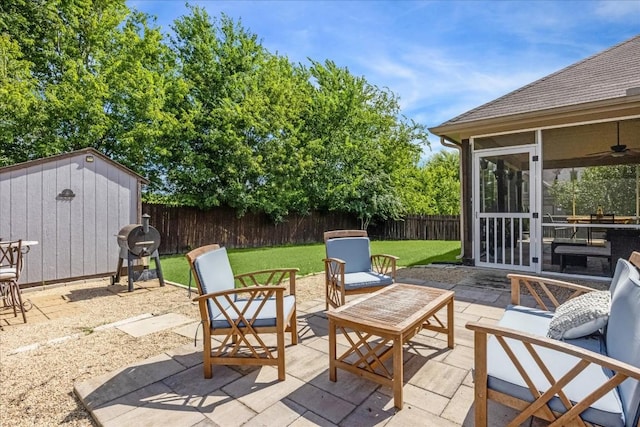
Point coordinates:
[(37, 383)]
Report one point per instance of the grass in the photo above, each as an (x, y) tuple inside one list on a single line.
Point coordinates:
[(308, 258)]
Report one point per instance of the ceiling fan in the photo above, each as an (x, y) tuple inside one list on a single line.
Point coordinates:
[(617, 150)]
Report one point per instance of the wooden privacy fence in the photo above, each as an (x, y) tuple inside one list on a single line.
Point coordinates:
[(185, 228), (419, 227)]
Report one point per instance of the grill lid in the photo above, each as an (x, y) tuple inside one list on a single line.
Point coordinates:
[(139, 239)]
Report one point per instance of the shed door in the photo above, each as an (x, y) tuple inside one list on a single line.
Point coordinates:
[(504, 228)]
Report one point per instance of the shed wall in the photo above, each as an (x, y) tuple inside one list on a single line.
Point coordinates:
[(76, 237)]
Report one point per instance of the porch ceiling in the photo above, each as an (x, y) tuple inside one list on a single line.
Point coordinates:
[(591, 145)]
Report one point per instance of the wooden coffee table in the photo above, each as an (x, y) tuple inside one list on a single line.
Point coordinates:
[(377, 325)]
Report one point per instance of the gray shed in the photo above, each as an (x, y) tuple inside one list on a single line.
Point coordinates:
[(73, 205)]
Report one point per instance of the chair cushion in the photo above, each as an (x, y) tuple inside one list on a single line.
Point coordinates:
[(266, 317), (354, 251), (580, 316), (215, 275), (8, 273), (365, 279), (504, 377), (623, 339)]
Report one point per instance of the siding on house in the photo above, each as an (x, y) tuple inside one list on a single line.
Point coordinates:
[(76, 237)]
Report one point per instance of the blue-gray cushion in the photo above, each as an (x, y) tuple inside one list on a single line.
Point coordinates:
[(624, 269), (365, 279), (623, 339), (215, 275), (504, 377), (354, 251), (266, 317)]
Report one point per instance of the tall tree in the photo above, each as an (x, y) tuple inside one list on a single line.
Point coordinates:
[(245, 148), (102, 78), (605, 186), (435, 187), (361, 146), (18, 103)]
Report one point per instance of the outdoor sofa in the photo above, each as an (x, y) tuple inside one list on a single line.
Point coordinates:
[(589, 374)]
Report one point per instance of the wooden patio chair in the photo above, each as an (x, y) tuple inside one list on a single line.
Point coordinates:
[(240, 317), (10, 268), (351, 269)]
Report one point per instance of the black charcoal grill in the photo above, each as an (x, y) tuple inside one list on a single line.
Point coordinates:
[(137, 242)]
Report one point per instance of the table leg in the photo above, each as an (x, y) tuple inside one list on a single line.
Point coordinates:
[(332, 350), (398, 377), (450, 316)]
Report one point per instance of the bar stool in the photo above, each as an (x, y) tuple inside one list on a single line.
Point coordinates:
[(10, 268)]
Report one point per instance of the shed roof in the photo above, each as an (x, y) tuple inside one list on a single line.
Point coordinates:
[(84, 151), (603, 76)]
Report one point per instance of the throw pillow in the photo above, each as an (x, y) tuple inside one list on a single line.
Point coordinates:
[(580, 316)]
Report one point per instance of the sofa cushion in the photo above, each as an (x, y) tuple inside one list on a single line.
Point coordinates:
[(623, 339), (504, 377), (580, 316), (365, 279), (624, 269), (354, 251), (266, 317)]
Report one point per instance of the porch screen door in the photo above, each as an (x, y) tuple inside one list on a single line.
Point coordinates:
[(503, 198)]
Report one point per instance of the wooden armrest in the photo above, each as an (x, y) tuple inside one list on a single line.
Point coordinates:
[(531, 283), (249, 289), (384, 264), (270, 277), (334, 270), (395, 258), (270, 270)]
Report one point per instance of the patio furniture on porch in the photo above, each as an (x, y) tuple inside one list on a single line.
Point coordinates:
[(263, 303), (562, 231), (588, 373), (598, 232), (577, 254), (351, 269), (10, 269), (623, 242)]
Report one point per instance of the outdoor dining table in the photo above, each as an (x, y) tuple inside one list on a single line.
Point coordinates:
[(586, 219)]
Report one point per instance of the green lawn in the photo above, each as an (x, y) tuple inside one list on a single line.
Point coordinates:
[(308, 258)]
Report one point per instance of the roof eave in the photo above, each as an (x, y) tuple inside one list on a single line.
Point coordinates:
[(598, 110), (88, 150)]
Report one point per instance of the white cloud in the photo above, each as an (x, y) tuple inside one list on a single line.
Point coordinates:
[(441, 58), (618, 10)]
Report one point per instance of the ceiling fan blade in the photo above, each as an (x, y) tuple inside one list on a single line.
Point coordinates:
[(599, 154)]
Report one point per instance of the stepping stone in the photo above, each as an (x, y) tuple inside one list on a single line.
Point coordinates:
[(154, 324)]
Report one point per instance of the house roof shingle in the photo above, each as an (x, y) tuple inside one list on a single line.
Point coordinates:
[(605, 75)]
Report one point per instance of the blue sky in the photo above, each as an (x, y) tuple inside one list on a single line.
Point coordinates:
[(441, 58)]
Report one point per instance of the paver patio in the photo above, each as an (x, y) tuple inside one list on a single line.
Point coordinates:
[(169, 389)]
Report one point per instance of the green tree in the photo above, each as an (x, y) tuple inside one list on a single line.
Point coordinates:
[(612, 187), (17, 103), (102, 79), (361, 146), (440, 181), (242, 149)]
